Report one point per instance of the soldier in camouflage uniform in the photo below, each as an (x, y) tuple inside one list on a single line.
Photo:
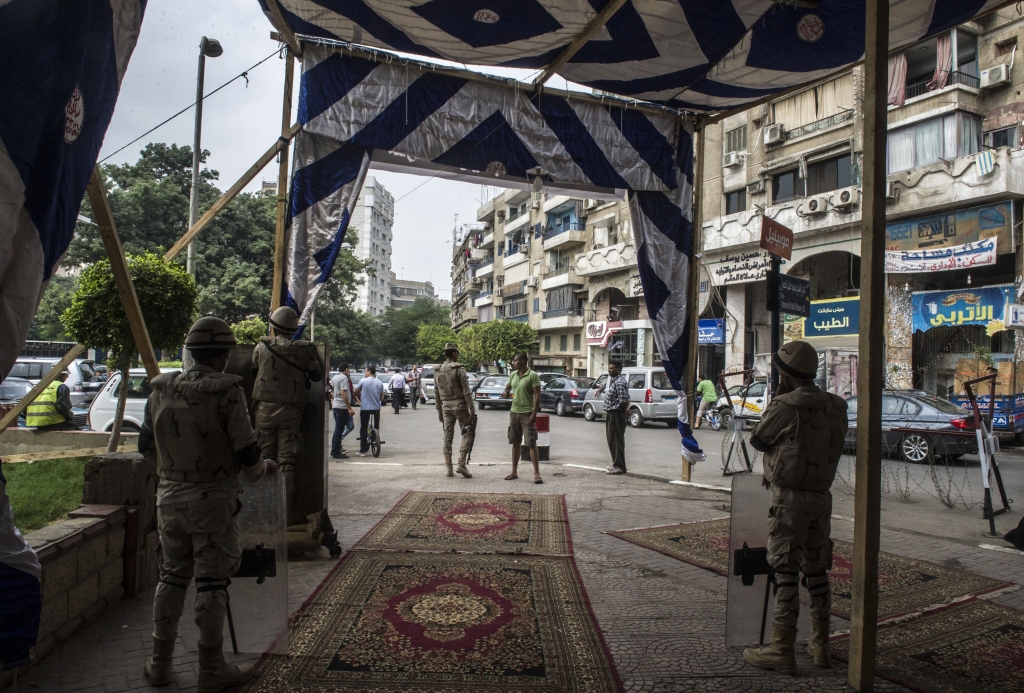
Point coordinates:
[(197, 427), (454, 402), (801, 435), (285, 369)]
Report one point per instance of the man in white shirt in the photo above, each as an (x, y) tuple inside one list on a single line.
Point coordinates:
[(341, 407), (398, 391)]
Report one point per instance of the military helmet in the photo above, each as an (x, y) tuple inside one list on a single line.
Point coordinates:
[(451, 346), (285, 319), (210, 333), (798, 359)]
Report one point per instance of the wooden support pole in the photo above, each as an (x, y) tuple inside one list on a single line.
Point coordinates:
[(230, 194), (282, 25), (282, 185), (693, 308), (119, 266), (592, 27), (867, 500), (12, 416)]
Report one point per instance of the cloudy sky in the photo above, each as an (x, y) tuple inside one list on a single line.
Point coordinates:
[(241, 121)]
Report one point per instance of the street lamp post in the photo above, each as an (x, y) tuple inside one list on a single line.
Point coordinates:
[(211, 48)]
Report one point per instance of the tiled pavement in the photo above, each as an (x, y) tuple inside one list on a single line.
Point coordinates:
[(664, 620)]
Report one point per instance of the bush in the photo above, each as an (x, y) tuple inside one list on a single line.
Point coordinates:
[(250, 331)]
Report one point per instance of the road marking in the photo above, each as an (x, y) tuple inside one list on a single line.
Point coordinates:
[(583, 466), (379, 464), (990, 547), (696, 485)]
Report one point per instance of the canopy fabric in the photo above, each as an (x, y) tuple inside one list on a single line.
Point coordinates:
[(61, 65), (699, 55)]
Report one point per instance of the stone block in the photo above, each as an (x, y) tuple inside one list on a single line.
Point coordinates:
[(54, 614), (60, 575), (112, 575), (83, 595), (115, 543), (122, 478), (92, 557)]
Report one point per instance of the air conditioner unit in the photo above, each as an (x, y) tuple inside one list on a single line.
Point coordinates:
[(774, 133), (756, 187), (501, 213), (892, 191), (531, 281), (477, 280), (536, 204), (818, 204), (845, 198), (590, 203), (500, 278), (498, 292), (995, 76), (732, 159)]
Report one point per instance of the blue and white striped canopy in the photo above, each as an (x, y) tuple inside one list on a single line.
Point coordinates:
[(700, 55)]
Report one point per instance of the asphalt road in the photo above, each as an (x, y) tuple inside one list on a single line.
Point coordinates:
[(911, 493)]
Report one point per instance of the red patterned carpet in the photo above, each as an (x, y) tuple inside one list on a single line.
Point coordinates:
[(905, 584), (432, 621)]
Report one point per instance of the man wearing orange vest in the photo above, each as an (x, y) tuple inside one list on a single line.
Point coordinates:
[(52, 408)]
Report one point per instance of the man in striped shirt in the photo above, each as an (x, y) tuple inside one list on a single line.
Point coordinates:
[(616, 412)]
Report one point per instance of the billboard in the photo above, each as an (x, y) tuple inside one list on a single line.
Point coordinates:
[(954, 229)]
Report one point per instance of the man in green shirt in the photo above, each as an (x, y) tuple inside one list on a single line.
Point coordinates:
[(708, 398), (524, 386)]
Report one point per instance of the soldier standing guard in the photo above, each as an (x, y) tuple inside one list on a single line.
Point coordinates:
[(801, 435), (285, 369), (454, 402), (197, 424)]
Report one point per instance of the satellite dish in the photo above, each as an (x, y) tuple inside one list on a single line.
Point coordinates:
[(537, 184)]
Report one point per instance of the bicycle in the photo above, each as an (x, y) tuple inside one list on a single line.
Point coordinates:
[(711, 415), (373, 438)]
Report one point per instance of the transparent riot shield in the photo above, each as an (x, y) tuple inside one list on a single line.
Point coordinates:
[(257, 619), (751, 601)]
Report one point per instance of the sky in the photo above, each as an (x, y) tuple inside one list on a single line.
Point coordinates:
[(242, 121)]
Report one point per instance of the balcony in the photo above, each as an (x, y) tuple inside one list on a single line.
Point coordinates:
[(488, 240), (516, 257), (818, 125), (485, 270), (564, 234), (921, 88), (613, 258), (485, 212), (513, 289), (480, 254), (485, 298), (561, 318), (560, 276), (518, 318)]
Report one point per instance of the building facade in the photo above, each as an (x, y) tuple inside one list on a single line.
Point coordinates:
[(404, 292), (373, 217), (955, 184)]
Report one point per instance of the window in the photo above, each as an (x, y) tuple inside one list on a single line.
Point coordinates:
[(536, 305), (736, 201), (831, 174), (563, 343), (138, 387), (576, 342), (637, 381), (547, 343), (736, 140), (660, 381), (32, 371), (1006, 46), (786, 186), (1006, 137), (947, 137), (560, 298)]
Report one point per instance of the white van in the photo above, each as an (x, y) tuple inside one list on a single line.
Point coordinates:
[(101, 413)]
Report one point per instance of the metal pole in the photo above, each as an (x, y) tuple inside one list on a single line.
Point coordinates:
[(193, 198), (774, 298), (871, 354)]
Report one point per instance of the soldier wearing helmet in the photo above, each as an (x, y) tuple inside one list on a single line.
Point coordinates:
[(801, 435), (197, 427), (285, 369), (454, 402)]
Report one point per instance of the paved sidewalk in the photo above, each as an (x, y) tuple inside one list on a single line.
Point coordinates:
[(664, 620)]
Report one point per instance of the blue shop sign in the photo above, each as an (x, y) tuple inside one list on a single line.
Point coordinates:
[(837, 317), (979, 306), (711, 331)]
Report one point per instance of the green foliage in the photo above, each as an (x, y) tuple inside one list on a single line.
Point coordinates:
[(249, 331), (399, 327), (56, 300), (470, 343), (430, 341), (169, 364), (352, 335), (500, 340), (167, 296), (44, 492)]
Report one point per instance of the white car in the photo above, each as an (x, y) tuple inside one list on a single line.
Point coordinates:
[(101, 413), (82, 379)]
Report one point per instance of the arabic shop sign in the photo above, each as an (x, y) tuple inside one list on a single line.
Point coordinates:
[(983, 306), (599, 332), (942, 259), (953, 229), (776, 238), (711, 331), (1014, 317), (794, 296), (741, 267), (836, 317)]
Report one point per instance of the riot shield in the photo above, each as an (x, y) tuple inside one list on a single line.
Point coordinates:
[(751, 601)]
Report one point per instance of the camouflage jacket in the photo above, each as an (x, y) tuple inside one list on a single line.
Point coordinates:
[(199, 420), (802, 435), (285, 376), (451, 387)]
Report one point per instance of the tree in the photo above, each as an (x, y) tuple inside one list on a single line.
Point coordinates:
[(470, 347), (352, 336), (431, 339), (502, 339), (96, 316), (399, 327), (249, 331), (56, 300)]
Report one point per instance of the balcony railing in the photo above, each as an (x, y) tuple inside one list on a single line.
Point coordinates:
[(559, 229), (954, 78), (518, 318), (555, 271), (822, 124), (513, 289), (561, 312)]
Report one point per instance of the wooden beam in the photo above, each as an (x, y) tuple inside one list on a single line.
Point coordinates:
[(64, 454), (868, 475), (693, 307), (592, 27), (104, 219), (279, 22), (280, 238), (12, 416), (230, 194)]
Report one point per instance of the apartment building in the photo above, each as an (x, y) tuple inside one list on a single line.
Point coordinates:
[(373, 218), (404, 292), (955, 180)]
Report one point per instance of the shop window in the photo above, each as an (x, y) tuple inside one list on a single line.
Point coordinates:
[(563, 343), (576, 342), (547, 343), (947, 137), (1005, 137), (623, 348), (786, 186), (736, 140), (831, 174), (736, 201)]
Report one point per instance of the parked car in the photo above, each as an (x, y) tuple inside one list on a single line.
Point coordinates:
[(489, 392), (752, 406), (917, 409), (101, 413), (565, 394), (427, 384), (386, 379), (83, 381), (651, 397), (13, 389)]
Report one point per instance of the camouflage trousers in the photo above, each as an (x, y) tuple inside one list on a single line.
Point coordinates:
[(277, 430), (462, 417), (200, 539), (798, 542)]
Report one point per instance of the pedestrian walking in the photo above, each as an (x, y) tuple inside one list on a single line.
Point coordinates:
[(412, 381), (616, 413), (524, 387), (454, 402), (708, 397), (341, 408), (398, 391), (369, 392), (801, 435)]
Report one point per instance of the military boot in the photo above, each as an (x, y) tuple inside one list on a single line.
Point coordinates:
[(215, 674), (818, 644), (462, 469), (158, 667), (448, 465), (778, 656)]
